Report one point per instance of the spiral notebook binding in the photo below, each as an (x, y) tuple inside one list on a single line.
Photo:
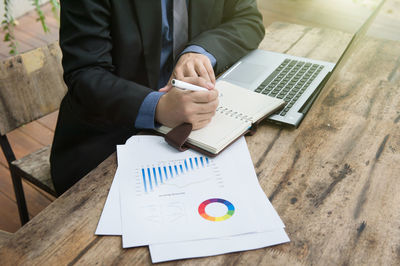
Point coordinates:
[(232, 113)]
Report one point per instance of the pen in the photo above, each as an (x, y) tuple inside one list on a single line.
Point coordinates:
[(186, 86)]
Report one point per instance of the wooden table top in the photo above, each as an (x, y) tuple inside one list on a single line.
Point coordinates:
[(334, 181)]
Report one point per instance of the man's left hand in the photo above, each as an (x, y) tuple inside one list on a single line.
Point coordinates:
[(192, 65)]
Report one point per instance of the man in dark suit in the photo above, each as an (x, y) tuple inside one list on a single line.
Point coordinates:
[(117, 54)]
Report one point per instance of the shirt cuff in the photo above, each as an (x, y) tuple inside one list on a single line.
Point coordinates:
[(147, 111), (200, 50)]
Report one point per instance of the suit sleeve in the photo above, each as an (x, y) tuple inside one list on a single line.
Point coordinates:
[(240, 31), (96, 94)]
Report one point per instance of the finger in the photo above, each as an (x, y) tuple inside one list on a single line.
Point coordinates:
[(210, 71), (189, 71), (206, 108), (167, 88), (201, 124), (178, 73), (202, 72), (204, 96), (198, 117)]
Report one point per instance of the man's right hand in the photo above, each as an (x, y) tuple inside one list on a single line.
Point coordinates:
[(179, 106)]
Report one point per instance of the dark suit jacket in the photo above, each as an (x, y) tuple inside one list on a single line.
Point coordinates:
[(111, 59)]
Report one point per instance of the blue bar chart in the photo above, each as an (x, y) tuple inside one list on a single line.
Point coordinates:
[(161, 173)]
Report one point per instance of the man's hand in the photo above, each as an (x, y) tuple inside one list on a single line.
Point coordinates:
[(196, 107), (192, 65)]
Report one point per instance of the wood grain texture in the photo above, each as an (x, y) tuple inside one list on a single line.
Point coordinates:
[(23, 144), (333, 181), (9, 218), (38, 132), (31, 86), (75, 217), (35, 167), (36, 200), (305, 41), (343, 15), (49, 121), (4, 237)]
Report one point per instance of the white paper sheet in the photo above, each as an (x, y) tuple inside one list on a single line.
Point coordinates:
[(161, 191), (110, 224), (211, 247), (110, 220)]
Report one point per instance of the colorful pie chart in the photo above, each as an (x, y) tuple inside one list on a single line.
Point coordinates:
[(203, 205)]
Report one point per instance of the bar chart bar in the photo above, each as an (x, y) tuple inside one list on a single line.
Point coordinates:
[(166, 174), (144, 180), (149, 176), (160, 173), (155, 176), (191, 163), (176, 170)]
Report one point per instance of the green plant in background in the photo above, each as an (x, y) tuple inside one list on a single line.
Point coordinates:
[(8, 23)]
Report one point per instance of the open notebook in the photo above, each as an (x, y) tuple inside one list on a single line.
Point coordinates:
[(238, 111)]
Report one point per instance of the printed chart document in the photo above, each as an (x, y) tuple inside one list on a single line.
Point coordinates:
[(166, 198), (110, 224), (218, 207)]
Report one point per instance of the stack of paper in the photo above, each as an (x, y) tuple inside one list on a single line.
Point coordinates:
[(183, 204)]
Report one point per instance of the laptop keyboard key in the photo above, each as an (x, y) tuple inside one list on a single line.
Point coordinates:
[(289, 81)]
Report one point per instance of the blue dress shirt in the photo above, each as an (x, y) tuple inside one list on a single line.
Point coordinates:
[(147, 111)]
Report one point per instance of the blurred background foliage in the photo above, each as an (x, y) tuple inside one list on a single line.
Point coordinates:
[(8, 22)]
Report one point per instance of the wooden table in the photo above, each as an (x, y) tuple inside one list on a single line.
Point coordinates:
[(334, 180)]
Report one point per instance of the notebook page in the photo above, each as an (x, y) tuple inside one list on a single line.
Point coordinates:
[(222, 130), (245, 103)]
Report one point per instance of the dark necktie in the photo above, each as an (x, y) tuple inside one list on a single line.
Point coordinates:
[(180, 26)]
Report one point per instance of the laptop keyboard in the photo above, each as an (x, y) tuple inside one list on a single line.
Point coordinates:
[(289, 81)]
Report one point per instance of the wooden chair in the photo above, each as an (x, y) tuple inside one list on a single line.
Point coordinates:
[(4, 236), (31, 86)]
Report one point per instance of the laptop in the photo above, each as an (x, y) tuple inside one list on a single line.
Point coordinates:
[(296, 80)]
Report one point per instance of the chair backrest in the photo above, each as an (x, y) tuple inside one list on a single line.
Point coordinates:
[(4, 237), (31, 86)]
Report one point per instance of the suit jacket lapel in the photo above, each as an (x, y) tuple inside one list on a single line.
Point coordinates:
[(149, 17), (199, 12)]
